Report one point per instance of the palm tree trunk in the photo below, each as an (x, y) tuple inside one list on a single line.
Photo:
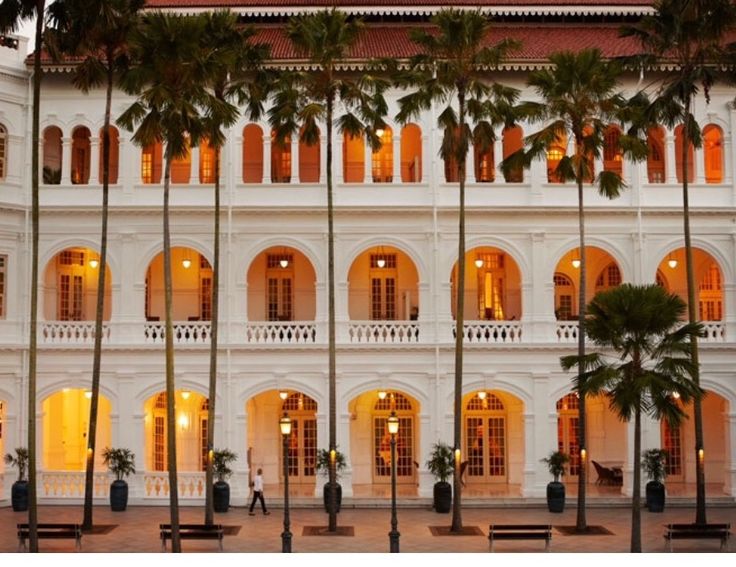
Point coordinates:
[(97, 355), (700, 514), (32, 345), (581, 524), (636, 497), (214, 322), (331, 322), (170, 384), (457, 520)]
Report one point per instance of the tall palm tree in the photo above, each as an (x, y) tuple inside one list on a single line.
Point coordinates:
[(452, 69), (650, 364), (97, 31), (12, 14), (578, 103), (690, 34), (168, 76), (309, 98), (233, 73)]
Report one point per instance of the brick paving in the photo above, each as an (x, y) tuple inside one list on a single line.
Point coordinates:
[(137, 530)]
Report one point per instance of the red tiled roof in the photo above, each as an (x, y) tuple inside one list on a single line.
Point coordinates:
[(388, 3)]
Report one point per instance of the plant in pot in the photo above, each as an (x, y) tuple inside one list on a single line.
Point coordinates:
[(120, 462), (221, 459), (441, 465), (556, 490), (323, 467), (19, 492), (653, 464)]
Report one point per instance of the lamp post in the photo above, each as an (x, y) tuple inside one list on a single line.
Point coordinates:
[(393, 535), (285, 425)]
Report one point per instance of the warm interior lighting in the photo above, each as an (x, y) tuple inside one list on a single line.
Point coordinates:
[(93, 263), (183, 422), (187, 261), (88, 394), (285, 424), (672, 262), (382, 394), (379, 132), (284, 262), (479, 263), (482, 395), (393, 423), (676, 395), (185, 394), (283, 394), (576, 262)]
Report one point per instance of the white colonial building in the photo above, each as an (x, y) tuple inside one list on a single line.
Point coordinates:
[(396, 247)]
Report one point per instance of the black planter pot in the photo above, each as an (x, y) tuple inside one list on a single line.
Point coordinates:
[(19, 496), (655, 496), (556, 497), (221, 496), (442, 497), (118, 496), (326, 496)]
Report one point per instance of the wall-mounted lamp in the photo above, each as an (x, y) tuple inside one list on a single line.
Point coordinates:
[(482, 394), (382, 394), (88, 394), (183, 422), (283, 394), (479, 263), (93, 263), (576, 262), (380, 132), (187, 261), (185, 394), (284, 261), (671, 261)]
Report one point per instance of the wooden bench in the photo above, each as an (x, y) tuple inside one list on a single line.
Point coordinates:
[(51, 531), (698, 531), (520, 531), (193, 531)]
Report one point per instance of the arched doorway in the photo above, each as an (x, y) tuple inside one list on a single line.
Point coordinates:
[(302, 449), (486, 439), (568, 427)]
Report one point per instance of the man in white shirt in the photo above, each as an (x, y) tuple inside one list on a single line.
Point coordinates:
[(258, 494)]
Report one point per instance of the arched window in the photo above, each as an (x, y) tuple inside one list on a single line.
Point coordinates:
[(485, 166), (656, 157), (309, 161), (151, 163), (678, 157), (114, 154), (353, 158), (280, 159), (612, 153), (568, 439), (206, 162), (588, 158), (710, 296), (555, 153), (394, 401), (80, 156), (513, 141), (713, 153), (411, 154), (52, 152), (382, 164), (181, 168), (252, 154), (564, 294), (661, 281), (302, 459), (485, 438), (609, 277), (3, 151)]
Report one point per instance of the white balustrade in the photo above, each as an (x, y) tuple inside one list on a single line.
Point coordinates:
[(281, 332), (188, 333), (70, 332), (715, 332), (567, 332), (191, 485), (70, 484), (491, 332), (383, 332)]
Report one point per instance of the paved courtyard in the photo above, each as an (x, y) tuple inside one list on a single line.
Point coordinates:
[(136, 530)]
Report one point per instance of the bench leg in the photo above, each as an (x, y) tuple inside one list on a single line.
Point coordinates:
[(546, 545), (490, 539), (79, 544)]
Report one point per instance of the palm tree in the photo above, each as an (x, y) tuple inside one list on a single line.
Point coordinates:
[(168, 76), (96, 30), (578, 103), (452, 68), (650, 366), (231, 62), (308, 98), (12, 14), (690, 34)]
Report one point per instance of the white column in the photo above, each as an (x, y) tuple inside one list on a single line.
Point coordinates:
[(497, 159), (336, 160), (295, 159), (670, 161), (368, 177), (470, 165), (237, 159), (397, 157), (699, 165), (66, 160), (729, 425), (95, 147), (194, 160), (129, 172), (267, 159)]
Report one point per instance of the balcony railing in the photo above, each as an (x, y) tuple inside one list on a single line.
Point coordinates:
[(71, 332), (191, 485), (383, 332), (281, 332), (184, 332), (567, 332), (491, 332), (70, 484)]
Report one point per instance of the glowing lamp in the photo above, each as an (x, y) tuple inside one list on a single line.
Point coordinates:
[(576, 263), (88, 394), (393, 423), (381, 262), (583, 455), (676, 395), (284, 262), (382, 394), (479, 263), (379, 132), (283, 394), (701, 456), (185, 394), (672, 262), (482, 395), (285, 424), (183, 422), (93, 263)]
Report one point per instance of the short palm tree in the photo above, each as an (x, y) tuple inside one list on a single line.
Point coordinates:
[(452, 69), (233, 65), (97, 31), (578, 103), (12, 14), (689, 34), (646, 366), (169, 77), (309, 98)]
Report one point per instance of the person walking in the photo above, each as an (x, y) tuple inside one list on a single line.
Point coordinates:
[(258, 494)]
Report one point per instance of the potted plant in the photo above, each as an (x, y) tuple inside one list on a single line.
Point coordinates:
[(323, 467), (19, 492), (441, 465), (120, 462), (556, 490), (221, 458), (653, 464)]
